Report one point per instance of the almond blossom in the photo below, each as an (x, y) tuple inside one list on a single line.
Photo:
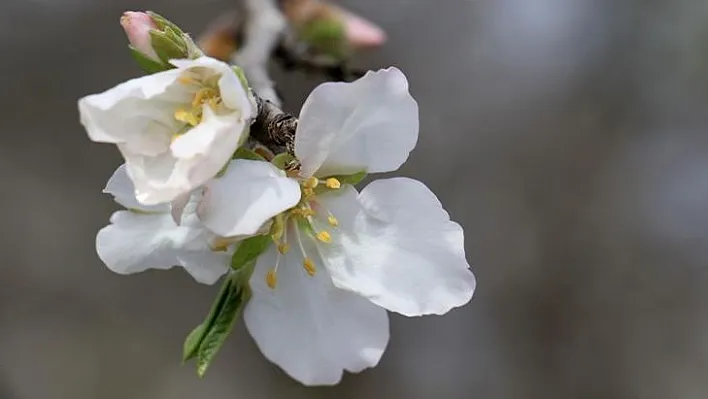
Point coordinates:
[(176, 129), (146, 237), (341, 258)]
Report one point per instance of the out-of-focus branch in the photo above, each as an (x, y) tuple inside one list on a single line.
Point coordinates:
[(264, 25), (309, 35)]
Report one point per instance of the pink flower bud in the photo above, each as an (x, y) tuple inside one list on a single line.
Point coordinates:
[(137, 26), (362, 33)]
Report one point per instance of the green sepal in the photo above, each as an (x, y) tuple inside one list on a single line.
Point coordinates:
[(245, 153), (147, 64), (249, 250), (326, 36), (236, 298), (282, 160), (166, 47), (196, 337), (163, 23)]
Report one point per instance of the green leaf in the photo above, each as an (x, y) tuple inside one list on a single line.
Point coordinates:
[(236, 298), (196, 337), (282, 160), (191, 344), (165, 47), (147, 64), (245, 153), (249, 250)]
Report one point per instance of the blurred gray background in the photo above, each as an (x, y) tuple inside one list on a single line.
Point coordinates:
[(568, 137)]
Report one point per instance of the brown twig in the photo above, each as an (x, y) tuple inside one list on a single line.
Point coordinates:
[(274, 128)]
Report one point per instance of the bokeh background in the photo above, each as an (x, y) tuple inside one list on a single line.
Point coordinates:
[(568, 137)]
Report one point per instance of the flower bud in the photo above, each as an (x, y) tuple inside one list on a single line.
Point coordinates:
[(137, 26)]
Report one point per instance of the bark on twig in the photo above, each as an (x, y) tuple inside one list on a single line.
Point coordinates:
[(274, 128)]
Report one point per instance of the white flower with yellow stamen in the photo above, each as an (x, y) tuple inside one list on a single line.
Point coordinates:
[(176, 129), (146, 237), (341, 258)]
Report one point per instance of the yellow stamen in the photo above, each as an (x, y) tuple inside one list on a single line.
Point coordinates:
[(333, 183), (283, 248), (308, 192), (220, 244), (332, 221), (309, 266), (271, 279), (186, 80), (324, 236), (311, 182), (205, 95), (185, 116)]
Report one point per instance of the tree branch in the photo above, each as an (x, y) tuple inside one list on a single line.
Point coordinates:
[(274, 128)]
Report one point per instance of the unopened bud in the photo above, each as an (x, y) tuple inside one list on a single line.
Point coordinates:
[(155, 41), (137, 26)]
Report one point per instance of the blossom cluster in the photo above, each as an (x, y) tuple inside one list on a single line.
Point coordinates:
[(316, 263)]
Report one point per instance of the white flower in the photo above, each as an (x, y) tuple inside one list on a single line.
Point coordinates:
[(342, 257), (176, 129), (146, 237)]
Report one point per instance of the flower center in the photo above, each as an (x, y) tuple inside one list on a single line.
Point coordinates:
[(305, 219), (206, 94)]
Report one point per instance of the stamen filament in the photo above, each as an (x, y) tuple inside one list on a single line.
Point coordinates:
[(307, 263)]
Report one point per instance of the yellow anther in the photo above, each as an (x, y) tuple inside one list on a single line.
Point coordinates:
[(332, 183), (332, 221), (205, 95), (271, 279), (185, 116), (308, 192), (186, 80), (283, 248), (311, 182), (309, 266), (324, 237), (220, 244)]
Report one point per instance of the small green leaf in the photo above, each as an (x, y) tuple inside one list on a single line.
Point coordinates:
[(236, 298), (282, 160), (165, 47), (191, 344), (245, 153), (147, 64), (249, 250), (196, 337)]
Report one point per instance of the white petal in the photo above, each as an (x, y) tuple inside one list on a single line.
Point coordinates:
[(123, 191), (309, 328), (370, 124), (196, 157), (211, 132), (137, 111), (245, 197), (398, 247), (133, 242), (205, 266), (232, 92)]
